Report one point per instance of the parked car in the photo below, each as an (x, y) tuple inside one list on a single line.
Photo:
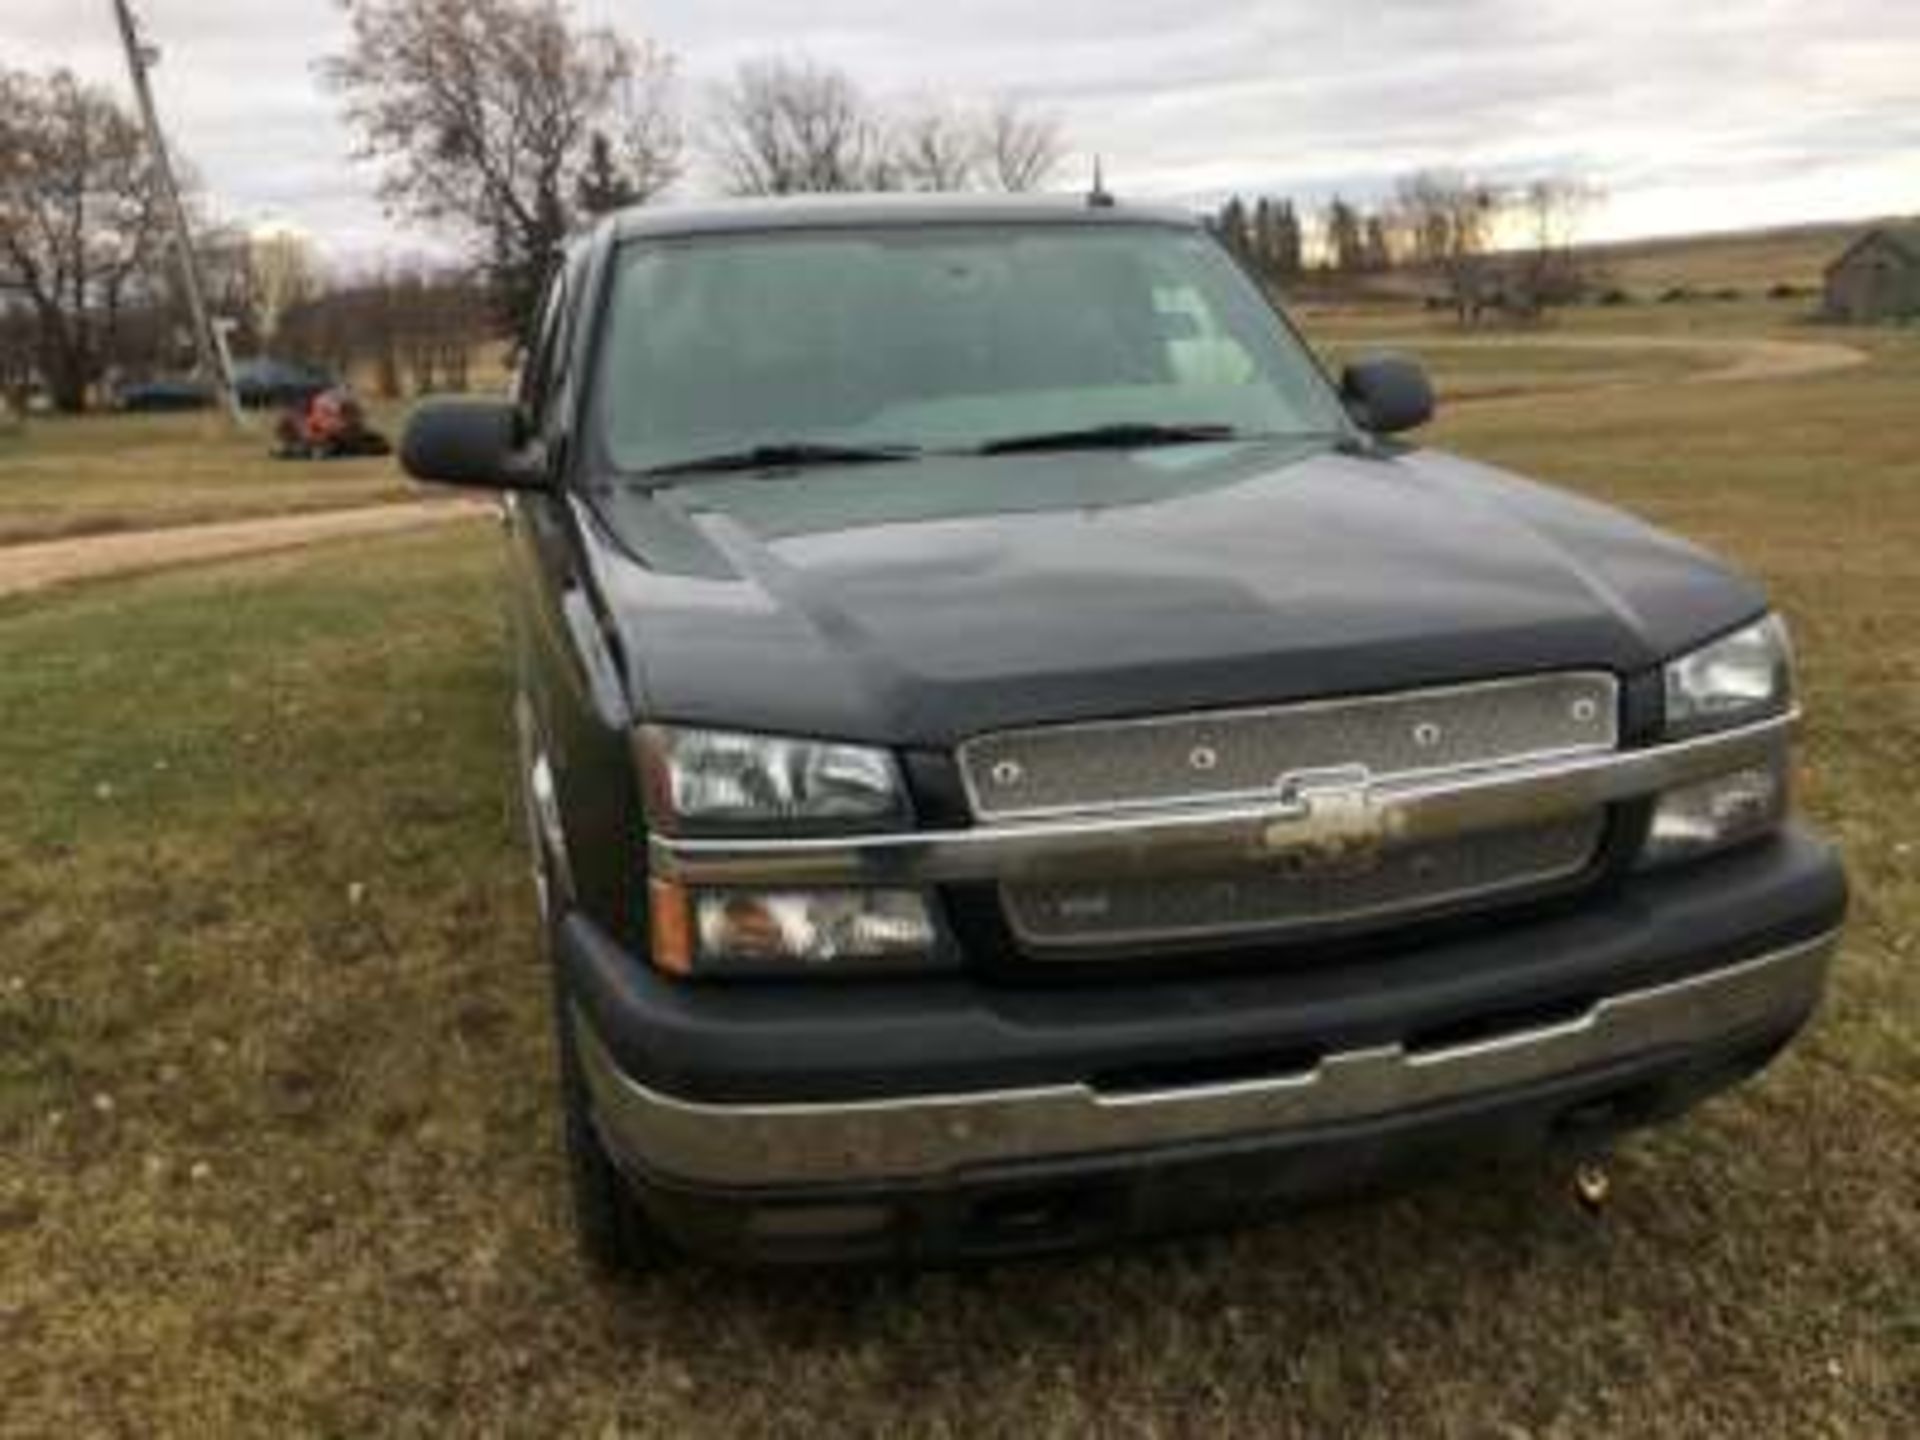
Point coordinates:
[(265, 382), (259, 384), (1016, 757), (149, 395)]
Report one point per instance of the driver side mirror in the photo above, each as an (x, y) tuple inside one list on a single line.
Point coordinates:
[(484, 444), (1387, 393)]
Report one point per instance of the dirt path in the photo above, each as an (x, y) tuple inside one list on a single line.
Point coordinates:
[(1783, 359), (1741, 360), (25, 568)]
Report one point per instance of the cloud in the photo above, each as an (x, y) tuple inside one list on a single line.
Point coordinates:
[(1689, 116)]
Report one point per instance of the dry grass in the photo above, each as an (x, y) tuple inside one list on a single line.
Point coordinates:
[(276, 1114), (1748, 260), (64, 476)]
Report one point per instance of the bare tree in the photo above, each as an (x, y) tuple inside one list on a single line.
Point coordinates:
[(938, 148), (1449, 220), (794, 126), (432, 314), (153, 329), (1024, 148), (79, 221), (229, 283), (16, 358), (284, 273), (643, 123), (399, 325), (789, 127), (484, 113), (1552, 208)]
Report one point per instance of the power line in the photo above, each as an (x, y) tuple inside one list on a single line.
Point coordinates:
[(212, 350)]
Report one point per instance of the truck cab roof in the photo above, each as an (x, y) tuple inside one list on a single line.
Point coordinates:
[(808, 212)]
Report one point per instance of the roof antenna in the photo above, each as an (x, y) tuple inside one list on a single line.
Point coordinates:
[(1099, 197)]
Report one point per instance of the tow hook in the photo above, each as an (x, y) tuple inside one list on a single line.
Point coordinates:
[(1592, 1184)]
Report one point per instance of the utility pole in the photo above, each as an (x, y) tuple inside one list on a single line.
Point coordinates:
[(213, 358)]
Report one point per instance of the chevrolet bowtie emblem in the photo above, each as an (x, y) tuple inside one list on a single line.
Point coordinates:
[(1333, 825)]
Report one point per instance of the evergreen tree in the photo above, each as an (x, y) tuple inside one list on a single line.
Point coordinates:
[(1346, 241), (601, 187), (1288, 246), (1378, 253), (1233, 226), (1263, 236)]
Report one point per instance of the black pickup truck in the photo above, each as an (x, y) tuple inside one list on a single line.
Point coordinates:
[(1016, 757)]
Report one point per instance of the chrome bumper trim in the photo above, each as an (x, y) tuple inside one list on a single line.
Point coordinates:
[(1210, 838), (931, 1136)]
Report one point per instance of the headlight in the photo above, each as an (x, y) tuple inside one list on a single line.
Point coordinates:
[(1714, 814), (1741, 677), (709, 780)]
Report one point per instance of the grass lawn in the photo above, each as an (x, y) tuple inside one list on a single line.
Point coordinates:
[(63, 476), (277, 1122)]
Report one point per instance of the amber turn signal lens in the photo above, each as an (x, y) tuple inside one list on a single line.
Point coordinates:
[(670, 923)]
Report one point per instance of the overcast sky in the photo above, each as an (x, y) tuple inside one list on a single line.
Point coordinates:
[(1691, 114)]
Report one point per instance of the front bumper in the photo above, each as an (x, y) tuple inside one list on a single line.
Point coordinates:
[(1074, 1202), (910, 1096), (933, 1137)]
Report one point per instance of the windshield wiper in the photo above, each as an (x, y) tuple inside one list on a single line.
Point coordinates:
[(786, 455), (1127, 435)]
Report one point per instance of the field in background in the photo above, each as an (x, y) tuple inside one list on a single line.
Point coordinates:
[(63, 476), (1748, 260), (277, 1130)]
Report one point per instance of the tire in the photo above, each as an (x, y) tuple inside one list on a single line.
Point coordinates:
[(612, 1233)]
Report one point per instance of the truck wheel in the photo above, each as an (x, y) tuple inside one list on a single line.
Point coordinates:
[(614, 1236)]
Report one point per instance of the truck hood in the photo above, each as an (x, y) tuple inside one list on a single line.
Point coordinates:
[(923, 602)]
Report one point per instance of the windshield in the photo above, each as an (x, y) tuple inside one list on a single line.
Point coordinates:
[(944, 337)]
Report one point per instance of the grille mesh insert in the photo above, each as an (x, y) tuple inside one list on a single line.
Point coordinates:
[(1246, 753), (1469, 867)]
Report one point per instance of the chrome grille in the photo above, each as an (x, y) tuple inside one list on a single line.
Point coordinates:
[(1486, 865), (1243, 754)]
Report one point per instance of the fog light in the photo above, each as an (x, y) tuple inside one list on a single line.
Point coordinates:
[(773, 932), (1713, 814)]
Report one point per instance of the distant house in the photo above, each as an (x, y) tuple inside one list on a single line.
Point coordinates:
[(1877, 277)]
